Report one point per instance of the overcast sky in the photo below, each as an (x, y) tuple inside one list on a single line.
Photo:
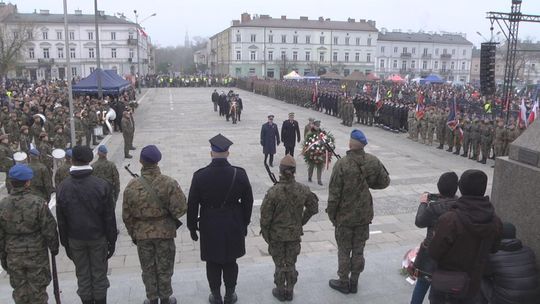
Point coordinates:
[(207, 17)]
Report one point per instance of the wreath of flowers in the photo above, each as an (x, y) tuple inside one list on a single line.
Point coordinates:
[(314, 149)]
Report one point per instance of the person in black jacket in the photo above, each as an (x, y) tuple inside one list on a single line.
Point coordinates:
[(87, 226), (432, 206), (215, 99), (511, 276), (223, 195), (290, 134)]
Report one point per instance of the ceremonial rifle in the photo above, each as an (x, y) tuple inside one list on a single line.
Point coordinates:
[(56, 287), (272, 176), (329, 148), (135, 175)]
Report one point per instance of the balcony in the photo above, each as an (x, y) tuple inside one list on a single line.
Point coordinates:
[(446, 56), (426, 56), (406, 55), (45, 61), (132, 41)]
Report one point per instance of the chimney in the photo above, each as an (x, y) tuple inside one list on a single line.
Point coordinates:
[(351, 20), (362, 20), (304, 18), (321, 18), (327, 19), (372, 23), (235, 22), (266, 17), (78, 12), (283, 17), (43, 12), (245, 17)]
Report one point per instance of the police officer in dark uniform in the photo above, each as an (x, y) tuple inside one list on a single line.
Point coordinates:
[(223, 195)]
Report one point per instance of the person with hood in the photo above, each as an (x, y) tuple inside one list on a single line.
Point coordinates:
[(432, 206), (511, 276), (463, 239)]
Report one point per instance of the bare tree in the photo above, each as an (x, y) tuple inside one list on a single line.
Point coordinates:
[(13, 38)]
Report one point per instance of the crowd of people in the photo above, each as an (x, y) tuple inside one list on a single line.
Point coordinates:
[(228, 105), (186, 81)]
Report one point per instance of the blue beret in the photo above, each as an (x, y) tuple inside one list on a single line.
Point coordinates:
[(69, 153), (102, 149), (150, 154), (21, 172), (34, 152), (359, 135)]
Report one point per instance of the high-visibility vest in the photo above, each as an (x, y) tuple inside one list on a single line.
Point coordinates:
[(487, 108)]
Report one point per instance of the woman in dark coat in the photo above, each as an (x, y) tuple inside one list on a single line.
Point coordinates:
[(269, 139)]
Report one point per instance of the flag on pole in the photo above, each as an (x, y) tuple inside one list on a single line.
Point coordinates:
[(142, 32), (452, 120), (420, 107), (522, 113), (534, 112), (378, 100), (315, 93)]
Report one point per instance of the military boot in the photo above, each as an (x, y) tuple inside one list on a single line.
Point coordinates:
[(215, 297), (170, 300), (155, 301), (279, 293), (353, 283), (230, 296), (441, 146), (450, 149), (339, 285)]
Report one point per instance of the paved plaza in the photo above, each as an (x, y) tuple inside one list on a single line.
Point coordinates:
[(181, 120)]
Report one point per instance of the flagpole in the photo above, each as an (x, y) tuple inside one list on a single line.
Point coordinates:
[(69, 77)]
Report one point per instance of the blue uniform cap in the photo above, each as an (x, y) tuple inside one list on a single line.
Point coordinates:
[(150, 154), (359, 136), (69, 153), (34, 152), (102, 149), (220, 143), (20, 172)]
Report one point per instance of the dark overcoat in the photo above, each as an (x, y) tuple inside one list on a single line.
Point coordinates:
[(290, 133), (269, 138)]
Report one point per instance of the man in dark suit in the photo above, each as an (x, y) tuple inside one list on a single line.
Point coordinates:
[(290, 134), (269, 139), (223, 194)]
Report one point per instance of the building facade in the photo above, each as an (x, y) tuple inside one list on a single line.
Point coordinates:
[(44, 55), (421, 54), (263, 46)]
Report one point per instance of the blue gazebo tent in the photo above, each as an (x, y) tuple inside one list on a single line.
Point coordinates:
[(432, 79), (111, 83)]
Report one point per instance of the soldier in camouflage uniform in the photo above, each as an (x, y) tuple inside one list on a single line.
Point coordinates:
[(512, 134), (128, 131), (36, 130), (411, 117), (500, 138), (151, 208), (486, 139), (350, 208), (63, 171), (25, 139), (308, 127), (441, 128), (45, 151), (431, 125), (475, 139), (42, 181), (107, 170), (287, 207), (467, 130), (13, 128), (59, 141), (27, 232), (6, 158)]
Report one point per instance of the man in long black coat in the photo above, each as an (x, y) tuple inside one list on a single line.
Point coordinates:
[(269, 139), (223, 194), (290, 134), (215, 100)]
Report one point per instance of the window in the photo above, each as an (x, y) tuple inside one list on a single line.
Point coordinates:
[(336, 40), (90, 35), (334, 56), (59, 35), (295, 56), (73, 71), (368, 57), (395, 64), (413, 64), (270, 55), (443, 66), (253, 38), (71, 35), (30, 35), (444, 51), (91, 53), (463, 65), (270, 38), (46, 53), (72, 53), (45, 35), (60, 52), (113, 35), (358, 41), (346, 72), (413, 50), (308, 56), (395, 49), (321, 57), (436, 65), (252, 55), (452, 65), (424, 65), (283, 38), (437, 51), (382, 49), (453, 51), (346, 57), (238, 71), (251, 71), (369, 41), (357, 57), (321, 39), (238, 38), (295, 39), (130, 35), (92, 69), (238, 55), (113, 53), (308, 39), (131, 53), (31, 54), (403, 65), (381, 64), (464, 52), (283, 55), (404, 50), (347, 40), (425, 52)]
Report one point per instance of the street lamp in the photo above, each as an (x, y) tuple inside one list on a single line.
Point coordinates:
[(138, 46)]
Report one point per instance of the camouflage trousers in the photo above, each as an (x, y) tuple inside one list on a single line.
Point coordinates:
[(351, 242), (430, 133), (157, 265), (284, 255), (29, 275)]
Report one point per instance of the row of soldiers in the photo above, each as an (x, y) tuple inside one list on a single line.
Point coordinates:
[(189, 81)]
